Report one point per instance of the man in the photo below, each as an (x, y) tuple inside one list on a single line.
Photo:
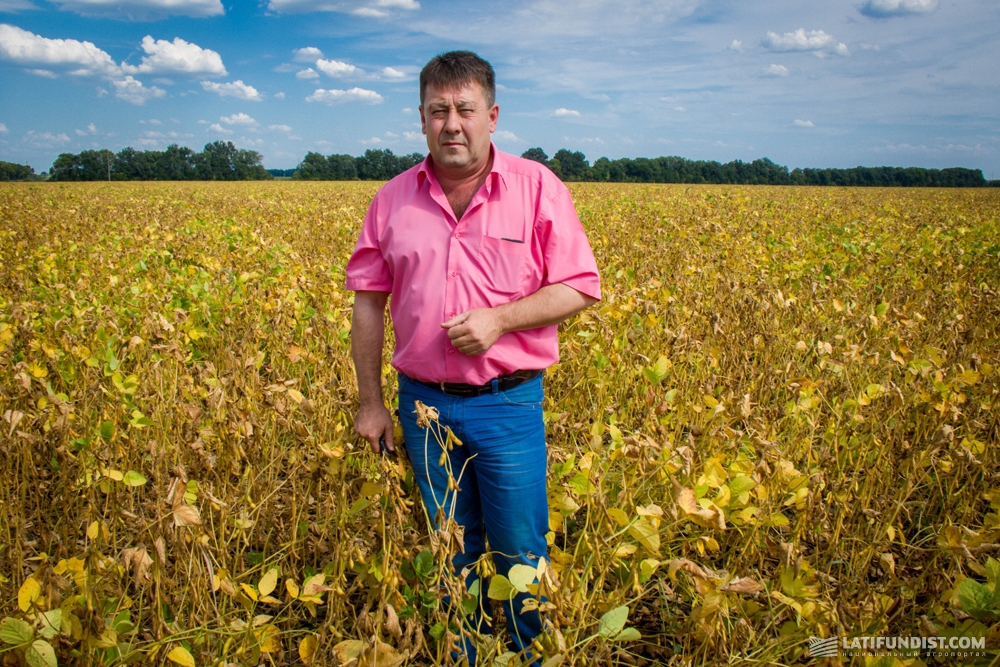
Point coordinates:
[(484, 255)]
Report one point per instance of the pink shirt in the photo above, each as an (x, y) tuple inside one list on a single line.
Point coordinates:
[(519, 233)]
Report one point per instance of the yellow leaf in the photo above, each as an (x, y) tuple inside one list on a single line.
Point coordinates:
[(619, 516), (292, 588), (250, 591), (268, 582), (307, 649), (295, 395), (711, 517), (181, 656), (314, 585), (270, 641), (647, 535), (29, 592), (93, 530)]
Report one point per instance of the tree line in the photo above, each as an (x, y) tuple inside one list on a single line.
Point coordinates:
[(221, 160), (218, 161), (573, 166), (374, 165)]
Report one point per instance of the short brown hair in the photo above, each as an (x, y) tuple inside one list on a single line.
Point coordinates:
[(457, 68)]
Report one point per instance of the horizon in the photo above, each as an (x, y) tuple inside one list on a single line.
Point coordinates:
[(906, 83)]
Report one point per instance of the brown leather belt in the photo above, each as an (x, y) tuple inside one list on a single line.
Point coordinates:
[(504, 383)]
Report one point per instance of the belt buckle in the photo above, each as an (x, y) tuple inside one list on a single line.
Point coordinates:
[(443, 390)]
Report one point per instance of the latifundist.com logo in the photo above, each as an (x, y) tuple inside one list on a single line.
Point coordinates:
[(900, 647)]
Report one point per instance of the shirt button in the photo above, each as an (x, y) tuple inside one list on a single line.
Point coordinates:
[(451, 351), (458, 236), (454, 274)]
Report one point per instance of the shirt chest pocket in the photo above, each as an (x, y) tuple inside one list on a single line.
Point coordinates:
[(502, 263)]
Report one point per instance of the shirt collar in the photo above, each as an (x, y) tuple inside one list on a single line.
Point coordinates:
[(497, 171)]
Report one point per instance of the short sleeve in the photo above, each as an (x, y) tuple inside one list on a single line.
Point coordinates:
[(367, 269), (566, 251)]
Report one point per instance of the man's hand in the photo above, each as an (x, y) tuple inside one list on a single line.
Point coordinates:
[(474, 331), (374, 422)]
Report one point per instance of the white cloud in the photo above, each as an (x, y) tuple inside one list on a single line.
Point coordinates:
[(336, 68), (133, 92), (508, 136), (27, 48), (407, 110), (279, 96), (143, 9), (372, 141), (681, 109), (3, 129), (238, 119), (816, 41), (881, 9), (376, 9), (776, 70), (280, 128), (736, 45), (218, 129), (44, 73), (91, 129), (563, 113), (15, 5), (177, 56), (307, 73), (45, 139), (802, 123), (413, 136), (390, 73), (236, 89), (307, 54), (338, 96)]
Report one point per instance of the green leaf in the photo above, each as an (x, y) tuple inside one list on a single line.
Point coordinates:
[(107, 430), (977, 600), (627, 635), (500, 588), (15, 631), (613, 622), (882, 309), (423, 564), (49, 623), (520, 576), (41, 654), (992, 569), (133, 478)]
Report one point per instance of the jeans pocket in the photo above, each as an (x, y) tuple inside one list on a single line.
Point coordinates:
[(528, 395)]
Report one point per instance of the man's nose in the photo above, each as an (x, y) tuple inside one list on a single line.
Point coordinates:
[(452, 124)]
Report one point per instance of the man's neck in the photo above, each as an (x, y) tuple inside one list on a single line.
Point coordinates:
[(461, 181), (460, 189)]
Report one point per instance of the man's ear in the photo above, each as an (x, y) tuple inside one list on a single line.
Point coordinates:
[(423, 121)]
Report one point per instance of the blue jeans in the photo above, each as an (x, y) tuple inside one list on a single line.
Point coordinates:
[(502, 495)]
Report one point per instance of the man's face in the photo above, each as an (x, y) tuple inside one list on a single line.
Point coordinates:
[(458, 124)]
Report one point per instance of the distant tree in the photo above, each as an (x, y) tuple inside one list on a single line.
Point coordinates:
[(11, 171), (377, 165), (574, 165), (556, 166), (536, 154)]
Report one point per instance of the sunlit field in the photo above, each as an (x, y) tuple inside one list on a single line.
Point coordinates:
[(780, 423)]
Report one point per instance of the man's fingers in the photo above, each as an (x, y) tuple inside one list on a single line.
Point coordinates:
[(387, 438), (458, 319)]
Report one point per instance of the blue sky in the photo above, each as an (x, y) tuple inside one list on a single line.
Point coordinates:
[(806, 83)]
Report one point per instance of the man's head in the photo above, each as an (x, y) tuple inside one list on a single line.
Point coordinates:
[(455, 69), (458, 112)]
